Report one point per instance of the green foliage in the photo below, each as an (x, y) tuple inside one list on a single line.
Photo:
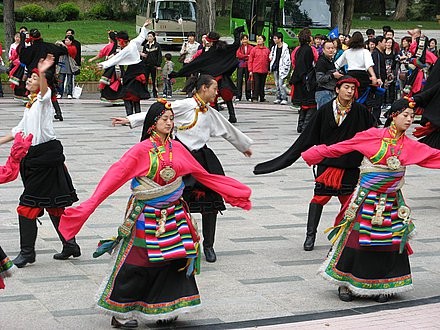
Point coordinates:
[(421, 10), (68, 11), (52, 16), (89, 72), (31, 13), (100, 11)]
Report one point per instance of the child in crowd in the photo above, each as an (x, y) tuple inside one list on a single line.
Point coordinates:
[(166, 70)]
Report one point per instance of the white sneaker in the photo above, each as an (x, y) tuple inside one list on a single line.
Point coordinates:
[(283, 102), (277, 101), (69, 96), (58, 96)]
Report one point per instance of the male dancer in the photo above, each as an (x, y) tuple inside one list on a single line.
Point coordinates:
[(335, 121)]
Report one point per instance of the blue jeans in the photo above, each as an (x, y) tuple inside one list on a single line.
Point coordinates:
[(69, 83), (323, 97), (281, 92), (167, 87)]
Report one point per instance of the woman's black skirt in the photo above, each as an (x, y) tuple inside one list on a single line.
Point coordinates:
[(47, 183), (200, 198)]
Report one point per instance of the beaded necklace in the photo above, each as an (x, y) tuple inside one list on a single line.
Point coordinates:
[(32, 99), (341, 110), (201, 107), (393, 161), (167, 173)]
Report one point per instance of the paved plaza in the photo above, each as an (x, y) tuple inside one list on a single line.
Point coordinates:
[(262, 278)]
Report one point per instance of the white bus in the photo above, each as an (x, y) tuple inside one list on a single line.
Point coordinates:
[(172, 19)]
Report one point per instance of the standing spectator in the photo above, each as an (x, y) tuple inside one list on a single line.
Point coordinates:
[(243, 72), (371, 45), (14, 46), (66, 65), (359, 62), (303, 60), (259, 67), (341, 38), (78, 59), (338, 48), (375, 100), (403, 60), (152, 57), (391, 76), (326, 75), (370, 34), (433, 46), (390, 35), (280, 65), (318, 43), (167, 69), (189, 48)]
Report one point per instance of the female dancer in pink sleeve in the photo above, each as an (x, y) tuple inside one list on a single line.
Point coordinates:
[(370, 253), (153, 276)]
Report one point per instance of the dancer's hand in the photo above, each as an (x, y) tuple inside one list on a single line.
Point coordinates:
[(46, 63), (147, 22), (248, 153), (119, 121)]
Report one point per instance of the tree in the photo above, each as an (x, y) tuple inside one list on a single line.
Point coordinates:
[(8, 22), (342, 14), (205, 16), (400, 13)]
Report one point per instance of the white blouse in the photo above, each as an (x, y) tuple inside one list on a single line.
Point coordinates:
[(209, 124), (130, 54), (38, 120), (356, 59)]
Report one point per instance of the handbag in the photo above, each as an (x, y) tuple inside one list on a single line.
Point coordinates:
[(77, 91), (182, 57), (73, 66)]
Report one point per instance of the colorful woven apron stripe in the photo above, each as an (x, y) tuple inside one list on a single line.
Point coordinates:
[(175, 243), (382, 182)]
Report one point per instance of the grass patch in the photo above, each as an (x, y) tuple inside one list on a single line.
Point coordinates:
[(87, 31)]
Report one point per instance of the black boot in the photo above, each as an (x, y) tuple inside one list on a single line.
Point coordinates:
[(128, 107), (315, 211), (70, 248), (232, 119), (137, 107), (28, 236), (58, 113), (208, 228), (301, 118)]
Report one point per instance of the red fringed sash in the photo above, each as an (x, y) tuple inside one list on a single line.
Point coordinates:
[(331, 177)]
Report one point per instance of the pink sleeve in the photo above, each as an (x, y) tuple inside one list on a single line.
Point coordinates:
[(422, 154), (105, 51), (233, 191), (10, 170), (316, 154), (134, 162), (430, 57), (413, 48)]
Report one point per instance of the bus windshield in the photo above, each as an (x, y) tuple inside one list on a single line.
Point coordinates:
[(299, 13), (173, 10)]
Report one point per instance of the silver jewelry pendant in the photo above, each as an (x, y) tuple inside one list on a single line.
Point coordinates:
[(167, 173), (393, 162)]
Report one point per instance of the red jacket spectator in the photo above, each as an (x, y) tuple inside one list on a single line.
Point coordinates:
[(259, 60), (242, 54)]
